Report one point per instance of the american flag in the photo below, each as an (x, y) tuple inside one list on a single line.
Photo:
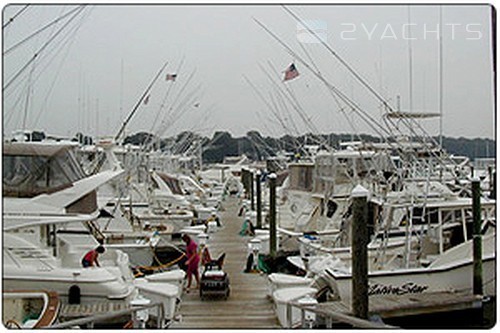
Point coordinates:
[(171, 77), (291, 73)]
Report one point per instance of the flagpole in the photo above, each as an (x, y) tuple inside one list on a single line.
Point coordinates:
[(125, 123)]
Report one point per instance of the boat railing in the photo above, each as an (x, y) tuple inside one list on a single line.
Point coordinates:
[(309, 313), (135, 312)]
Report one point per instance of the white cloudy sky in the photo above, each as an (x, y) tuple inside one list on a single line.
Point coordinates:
[(92, 73)]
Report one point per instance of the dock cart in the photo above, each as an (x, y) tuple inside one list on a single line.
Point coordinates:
[(214, 281)]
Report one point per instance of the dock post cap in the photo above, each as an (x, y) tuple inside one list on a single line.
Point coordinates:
[(272, 175), (359, 192)]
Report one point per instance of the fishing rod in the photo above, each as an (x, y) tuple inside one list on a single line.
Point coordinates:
[(282, 110), (339, 58), (172, 121), (66, 44), (273, 107), (9, 21), (42, 49), (277, 115), (160, 130), (262, 145), (299, 109), (167, 94), (259, 94), (281, 105), (183, 108), (186, 142), (41, 29), (341, 109), (173, 105)]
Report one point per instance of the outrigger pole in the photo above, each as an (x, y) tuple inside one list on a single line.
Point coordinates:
[(125, 123), (146, 92)]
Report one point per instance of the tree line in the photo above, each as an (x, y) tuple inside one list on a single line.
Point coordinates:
[(257, 147)]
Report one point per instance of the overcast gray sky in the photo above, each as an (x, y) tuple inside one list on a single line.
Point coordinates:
[(91, 74)]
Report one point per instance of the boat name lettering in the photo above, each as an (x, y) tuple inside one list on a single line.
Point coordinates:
[(407, 288)]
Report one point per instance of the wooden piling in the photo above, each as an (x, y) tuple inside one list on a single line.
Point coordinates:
[(493, 192), (490, 178), (272, 215), (476, 236), (252, 194), (359, 250), (244, 180), (259, 199)]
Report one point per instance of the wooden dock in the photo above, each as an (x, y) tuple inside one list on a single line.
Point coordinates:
[(247, 306), (73, 311), (386, 307)]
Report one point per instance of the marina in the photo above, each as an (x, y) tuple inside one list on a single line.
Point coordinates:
[(354, 194)]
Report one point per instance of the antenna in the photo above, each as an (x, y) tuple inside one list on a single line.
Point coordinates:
[(410, 63), (441, 76)]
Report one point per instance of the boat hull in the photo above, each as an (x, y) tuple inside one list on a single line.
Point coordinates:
[(417, 281)]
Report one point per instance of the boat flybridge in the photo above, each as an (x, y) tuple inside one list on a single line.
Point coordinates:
[(44, 189)]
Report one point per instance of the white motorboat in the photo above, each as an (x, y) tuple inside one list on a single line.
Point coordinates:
[(45, 192), (452, 271)]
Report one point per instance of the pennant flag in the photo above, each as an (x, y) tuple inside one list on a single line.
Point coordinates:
[(291, 73), (171, 77), (146, 100)]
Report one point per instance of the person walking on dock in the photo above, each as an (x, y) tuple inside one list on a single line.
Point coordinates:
[(193, 259), (90, 258)]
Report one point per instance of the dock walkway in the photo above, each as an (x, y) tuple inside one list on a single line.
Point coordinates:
[(247, 306)]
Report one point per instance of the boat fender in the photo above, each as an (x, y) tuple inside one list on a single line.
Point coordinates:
[(74, 294)]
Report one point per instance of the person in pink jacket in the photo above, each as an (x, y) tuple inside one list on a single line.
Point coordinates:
[(192, 262)]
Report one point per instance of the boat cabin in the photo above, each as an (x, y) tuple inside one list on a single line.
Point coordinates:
[(30, 169)]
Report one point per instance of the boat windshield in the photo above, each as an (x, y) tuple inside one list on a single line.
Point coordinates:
[(172, 182), (30, 169)]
